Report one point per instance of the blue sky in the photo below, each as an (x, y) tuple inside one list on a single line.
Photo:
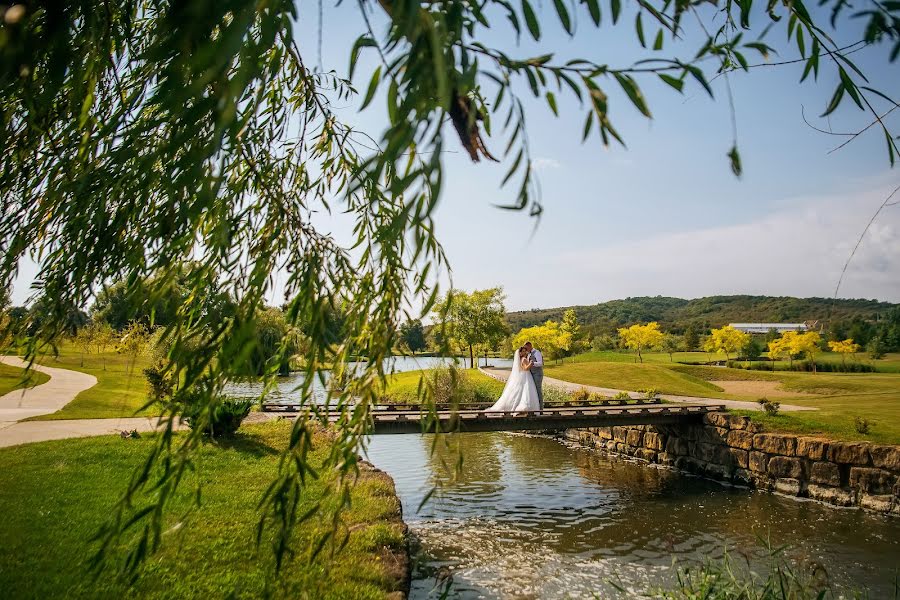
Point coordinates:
[(665, 216)]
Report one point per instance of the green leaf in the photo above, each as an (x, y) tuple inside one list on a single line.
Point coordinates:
[(639, 27), (564, 17), (594, 10), (588, 122), (373, 86), (850, 87), (616, 6), (835, 100), (361, 42), (697, 74), (658, 44), (675, 82), (631, 89), (551, 100), (890, 145), (531, 20), (735, 159)]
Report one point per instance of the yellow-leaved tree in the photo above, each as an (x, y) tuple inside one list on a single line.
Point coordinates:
[(781, 347), (641, 337), (728, 340), (808, 345), (844, 347), (550, 338)]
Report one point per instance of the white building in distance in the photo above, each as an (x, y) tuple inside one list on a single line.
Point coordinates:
[(767, 327)]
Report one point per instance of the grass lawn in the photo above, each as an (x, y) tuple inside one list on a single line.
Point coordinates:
[(840, 397), (13, 378), (403, 388), (121, 388), (633, 377), (54, 496)]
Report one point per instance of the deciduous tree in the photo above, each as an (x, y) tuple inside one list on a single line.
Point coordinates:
[(641, 337), (474, 320), (551, 339), (670, 345), (844, 347), (728, 340)]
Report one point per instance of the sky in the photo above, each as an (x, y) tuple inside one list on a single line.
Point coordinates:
[(665, 216)]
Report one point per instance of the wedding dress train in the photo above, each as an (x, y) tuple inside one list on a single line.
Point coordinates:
[(520, 393)]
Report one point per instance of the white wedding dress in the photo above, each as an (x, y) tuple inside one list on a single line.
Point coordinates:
[(520, 393)]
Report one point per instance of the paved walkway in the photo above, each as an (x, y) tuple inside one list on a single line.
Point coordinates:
[(503, 374), (43, 399)]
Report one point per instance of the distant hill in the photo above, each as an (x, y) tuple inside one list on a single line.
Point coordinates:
[(675, 314)]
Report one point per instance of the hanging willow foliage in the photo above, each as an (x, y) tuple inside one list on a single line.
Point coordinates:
[(157, 141)]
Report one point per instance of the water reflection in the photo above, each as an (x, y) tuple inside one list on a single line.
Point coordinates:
[(533, 517)]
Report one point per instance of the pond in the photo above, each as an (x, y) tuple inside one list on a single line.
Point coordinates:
[(535, 517)]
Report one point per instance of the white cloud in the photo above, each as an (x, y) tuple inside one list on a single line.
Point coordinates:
[(542, 163), (798, 251)]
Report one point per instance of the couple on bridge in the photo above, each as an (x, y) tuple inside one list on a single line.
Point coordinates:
[(523, 392)]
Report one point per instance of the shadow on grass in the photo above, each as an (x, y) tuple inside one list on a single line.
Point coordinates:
[(246, 443)]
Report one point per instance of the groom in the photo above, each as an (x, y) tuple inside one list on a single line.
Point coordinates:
[(537, 370)]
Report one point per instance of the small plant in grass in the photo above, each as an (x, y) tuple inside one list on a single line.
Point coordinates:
[(582, 395), (651, 394), (622, 396), (219, 419), (862, 425), (771, 408), (595, 397)]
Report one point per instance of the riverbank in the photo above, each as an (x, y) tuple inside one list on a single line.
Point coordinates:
[(55, 495), (733, 449)]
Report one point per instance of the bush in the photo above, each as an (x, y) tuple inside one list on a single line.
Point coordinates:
[(805, 366), (222, 419), (581, 395), (770, 407), (861, 425), (555, 395), (651, 393), (622, 396)]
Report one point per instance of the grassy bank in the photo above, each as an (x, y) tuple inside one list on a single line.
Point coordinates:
[(121, 388), (402, 388), (54, 496), (839, 397), (14, 378)]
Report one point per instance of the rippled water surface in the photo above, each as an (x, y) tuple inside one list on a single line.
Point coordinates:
[(532, 517)]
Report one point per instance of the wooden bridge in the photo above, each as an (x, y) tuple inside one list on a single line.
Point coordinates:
[(393, 419)]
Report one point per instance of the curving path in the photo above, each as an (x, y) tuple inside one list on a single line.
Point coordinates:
[(503, 374), (48, 398)]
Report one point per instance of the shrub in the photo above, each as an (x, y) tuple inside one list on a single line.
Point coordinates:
[(581, 395), (222, 419), (555, 395), (805, 366), (861, 425), (161, 383), (651, 393), (622, 396), (595, 397), (770, 407)]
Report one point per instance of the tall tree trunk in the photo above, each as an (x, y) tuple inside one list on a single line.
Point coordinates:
[(471, 356)]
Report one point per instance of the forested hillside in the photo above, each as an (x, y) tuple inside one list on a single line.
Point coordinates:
[(676, 314)]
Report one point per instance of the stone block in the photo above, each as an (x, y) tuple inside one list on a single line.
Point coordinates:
[(633, 438), (738, 422), (691, 465), (740, 438), (831, 495), (664, 458), (825, 473), (849, 453), (645, 454), (788, 486), (786, 467), (886, 457), (604, 433), (716, 419), (654, 441), (741, 458), (872, 481), (677, 446), (742, 476), (812, 448), (718, 471), (757, 461), (619, 434), (880, 502), (775, 443)]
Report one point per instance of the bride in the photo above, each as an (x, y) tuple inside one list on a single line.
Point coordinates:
[(520, 393)]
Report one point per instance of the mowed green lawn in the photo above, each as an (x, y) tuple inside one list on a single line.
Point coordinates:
[(14, 378), (55, 495), (121, 388), (840, 397)]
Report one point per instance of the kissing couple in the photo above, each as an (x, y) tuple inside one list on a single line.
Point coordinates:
[(522, 392)]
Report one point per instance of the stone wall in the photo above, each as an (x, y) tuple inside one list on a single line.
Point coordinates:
[(732, 448)]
